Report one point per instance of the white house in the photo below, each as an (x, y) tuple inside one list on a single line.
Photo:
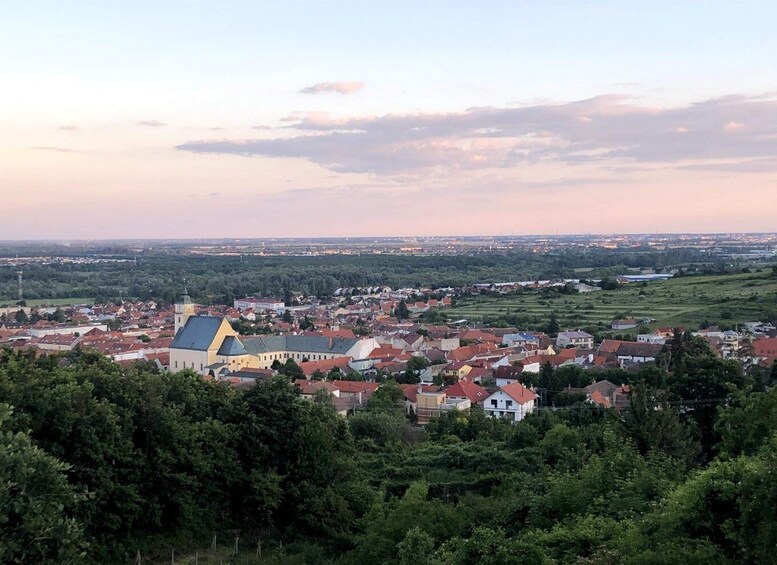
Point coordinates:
[(511, 402), (576, 339), (522, 339), (260, 304), (651, 338)]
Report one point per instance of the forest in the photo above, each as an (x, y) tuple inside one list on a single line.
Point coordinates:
[(101, 463), (219, 279)]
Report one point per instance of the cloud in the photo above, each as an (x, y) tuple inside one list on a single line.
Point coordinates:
[(338, 87), (610, 130), (52, 148), (151, 123), (69, 127)]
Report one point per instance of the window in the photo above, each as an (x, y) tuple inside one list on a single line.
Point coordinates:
[(493, 403), (176, 364), (508, 403)]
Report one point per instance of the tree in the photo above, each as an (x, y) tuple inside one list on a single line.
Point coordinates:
[(387, 398), (416, 548), (487, 546), (318, 375), (291, 369), (747, 423), (401, 311), (552, 327), (655, 425), (305, 323), (21, 316), (36, 503), (705, 382), (413, 369)]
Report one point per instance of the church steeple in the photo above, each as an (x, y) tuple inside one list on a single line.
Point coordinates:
[(183, 309)]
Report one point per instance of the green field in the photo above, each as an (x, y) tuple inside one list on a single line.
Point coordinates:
[(724, 300), (58, 301)]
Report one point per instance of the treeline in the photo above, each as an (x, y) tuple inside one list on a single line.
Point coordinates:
[(99, 461), (219, 279)]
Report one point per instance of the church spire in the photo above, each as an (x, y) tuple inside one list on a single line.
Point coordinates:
[(184, 309)]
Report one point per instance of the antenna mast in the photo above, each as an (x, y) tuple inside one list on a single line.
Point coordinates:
[(21, 290)]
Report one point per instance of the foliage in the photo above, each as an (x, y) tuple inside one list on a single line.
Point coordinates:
[(99, 461), (36, 503)]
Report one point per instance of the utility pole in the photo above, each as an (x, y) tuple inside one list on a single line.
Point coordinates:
[(21, 290)]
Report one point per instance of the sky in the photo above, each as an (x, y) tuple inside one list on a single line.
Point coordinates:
[(199, 119)]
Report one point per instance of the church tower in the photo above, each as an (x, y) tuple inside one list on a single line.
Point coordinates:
[(183, 309)]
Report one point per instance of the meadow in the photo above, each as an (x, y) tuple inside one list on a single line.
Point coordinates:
[(724, 300)]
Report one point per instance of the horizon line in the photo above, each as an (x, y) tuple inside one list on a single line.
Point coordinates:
[(346, 237)]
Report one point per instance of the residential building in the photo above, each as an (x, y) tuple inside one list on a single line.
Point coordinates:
[(512, 402), (576, 338)]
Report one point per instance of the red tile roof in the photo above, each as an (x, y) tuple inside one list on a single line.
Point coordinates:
[(519, 393), (465, 389)]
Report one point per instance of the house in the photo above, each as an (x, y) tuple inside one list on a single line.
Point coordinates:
[(628, 352), (260, 304), (58, 342), (766, 350), (576, 338), (624, 324), (309, 389), (521, 339), (507, 375), (512, 402), (324, 366), (479, 336), (431, 404), (355, 388), (651, 338), (456, 370), (411, 394), (462, 390)]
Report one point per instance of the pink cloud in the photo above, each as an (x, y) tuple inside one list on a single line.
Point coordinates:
[(346, 87)]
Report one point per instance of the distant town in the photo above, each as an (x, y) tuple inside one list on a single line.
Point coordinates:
[(345, 346)]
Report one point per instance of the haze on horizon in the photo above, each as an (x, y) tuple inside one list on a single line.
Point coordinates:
[(213, 119)]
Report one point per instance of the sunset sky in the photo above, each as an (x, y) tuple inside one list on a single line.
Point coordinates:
[(275, 119)]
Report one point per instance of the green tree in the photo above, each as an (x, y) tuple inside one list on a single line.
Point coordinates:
[(416, 548), (552, 328), (488, 546), (290, 369), (655, 425), (401, 311), (36, 503), (412, 372)]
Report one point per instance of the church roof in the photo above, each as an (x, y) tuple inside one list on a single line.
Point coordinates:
[(232, 346), (198, 333), (300, 343)]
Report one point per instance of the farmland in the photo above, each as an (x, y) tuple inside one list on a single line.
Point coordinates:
[(724, 300)]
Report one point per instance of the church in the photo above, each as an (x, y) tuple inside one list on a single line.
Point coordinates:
[(209, 345)]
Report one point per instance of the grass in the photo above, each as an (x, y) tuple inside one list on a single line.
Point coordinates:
[(724, 300), (59, 301)]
